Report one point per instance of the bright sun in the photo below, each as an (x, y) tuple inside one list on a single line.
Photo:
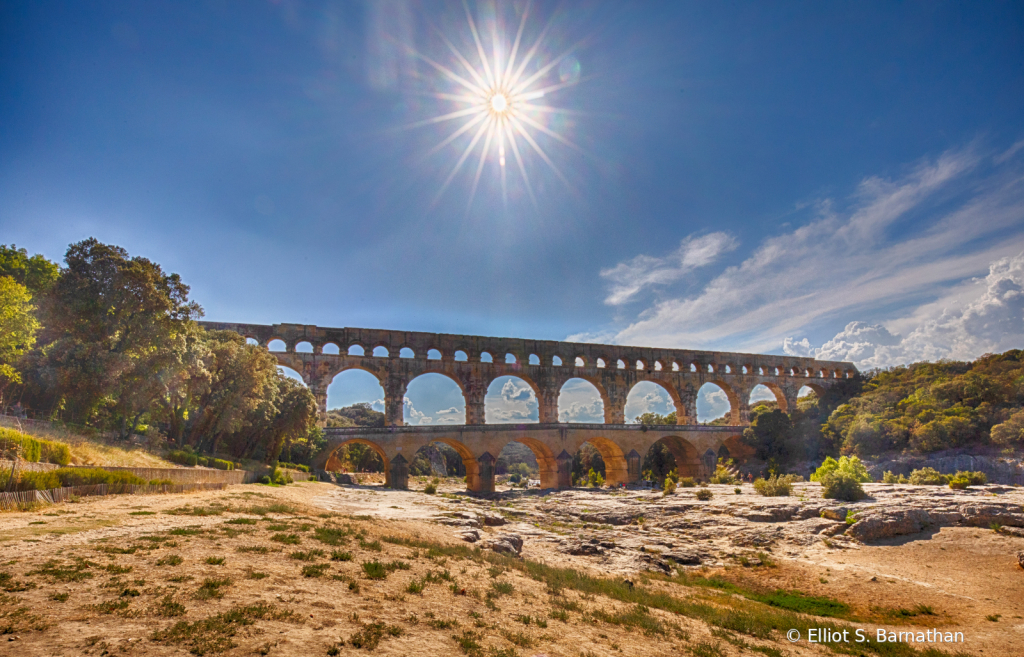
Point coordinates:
[(496, 99), (499, 103)]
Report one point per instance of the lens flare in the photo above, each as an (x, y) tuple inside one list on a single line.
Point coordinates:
[(496, 100)]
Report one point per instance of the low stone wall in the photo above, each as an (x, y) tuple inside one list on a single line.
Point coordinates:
[(26, 466), (296, 475), (182, 475)]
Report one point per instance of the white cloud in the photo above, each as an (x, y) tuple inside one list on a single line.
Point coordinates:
[(629, 278), (592, 411), (514, 401), (989, 320), (901, 245)]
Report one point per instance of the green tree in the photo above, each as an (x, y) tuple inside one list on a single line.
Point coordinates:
[(109, 323), (34, 272), (18, 328), (771, 435)]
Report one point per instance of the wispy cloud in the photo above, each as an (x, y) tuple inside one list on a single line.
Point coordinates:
[(629, 278), (899, 244)]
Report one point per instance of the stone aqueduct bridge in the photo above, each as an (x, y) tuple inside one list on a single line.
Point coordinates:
[(473, 362)]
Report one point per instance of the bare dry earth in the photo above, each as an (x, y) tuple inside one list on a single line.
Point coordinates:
[(103, 553)]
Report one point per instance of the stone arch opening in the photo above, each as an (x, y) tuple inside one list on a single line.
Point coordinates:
[(685, 458), (609, 461), (580, 362), (600, 362), (511, 400), (434, 398), (290, 373), (651, 397), (356, 350), (433, 354), (534, 359), (359, 455), (556, 361), (331, 349), (485, 357), (581, 401), (350, 388), (380, 352), (304, 347), (716, 404), (277, 344), (510, 359), (734, 448), (472, 467), (460, 356), (437, 459), (762, 395), (406, 352), (252, 341)]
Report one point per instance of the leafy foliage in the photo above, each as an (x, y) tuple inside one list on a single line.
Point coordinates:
[(839, 485), (774, 486), (850, 465), (927, 407), (18, 327)]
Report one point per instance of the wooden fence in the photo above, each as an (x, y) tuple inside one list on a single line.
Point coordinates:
[(27, 499)]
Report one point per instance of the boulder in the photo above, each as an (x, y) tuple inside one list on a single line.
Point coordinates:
[(493, 519), (985, 514), (684, 557), (510, 544), (834, 512), (583, 548), (872, 525), (1020, 559), (470, 535)]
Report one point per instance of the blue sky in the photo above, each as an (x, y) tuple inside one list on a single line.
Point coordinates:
[(832, 179)]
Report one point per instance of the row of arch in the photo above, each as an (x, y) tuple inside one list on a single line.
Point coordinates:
[(278, 345), (586, 401), (556, 471)]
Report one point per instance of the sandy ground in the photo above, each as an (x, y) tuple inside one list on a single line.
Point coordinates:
[(119, 567)]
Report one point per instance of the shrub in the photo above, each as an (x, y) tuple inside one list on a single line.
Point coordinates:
[(928, 477), (181, 457), (773, 487), (221, 464), (961, 480), (91, 476), (35, 449), (704, 494), (594, 479), (161, 482), (841, 486), (670, 486), (890, 478), (849, 465), (430, 489), (54, 452), (687, 482), (737, 490), (264, 479), (38, 481), (294, 466), (722, 476)]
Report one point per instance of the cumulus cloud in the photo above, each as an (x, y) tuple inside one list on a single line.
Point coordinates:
[(989, 320), (592, 411), (897, 246), (515, 401), (413, 416), (629, 278)]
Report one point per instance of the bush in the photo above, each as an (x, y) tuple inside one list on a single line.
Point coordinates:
[(594, 479), (774, 486), (161, 482), (842, 486), (430, 489), (704, 494), (961, 480), (890, 478), (34, 449), (62, 477), (54, 452), (39, 481), (515, 478), (849, 465), (264, 479), (687, 482), (928, 477), (670, 487), (294, 466), (181, 457), (722, 476)]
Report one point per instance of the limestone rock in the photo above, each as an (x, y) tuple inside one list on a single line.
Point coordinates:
[(470, 535), (493, 519), (510, 544), (984, 514), (834, 512), (873, 525), (1020, 559)]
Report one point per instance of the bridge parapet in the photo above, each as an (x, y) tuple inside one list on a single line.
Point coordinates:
[(473, 362)]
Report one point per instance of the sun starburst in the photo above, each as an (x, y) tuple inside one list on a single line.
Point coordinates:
[(496, 100)]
